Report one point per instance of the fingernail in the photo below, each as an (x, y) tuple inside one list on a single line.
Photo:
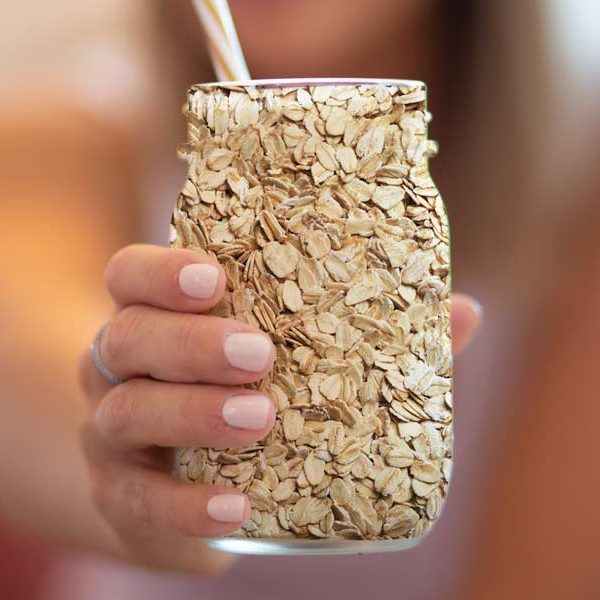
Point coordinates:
[(248, 351), (199, 281), (227, 508), (247, 412), (477, 307)]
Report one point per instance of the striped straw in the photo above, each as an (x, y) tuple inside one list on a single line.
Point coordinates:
[(223, 43)]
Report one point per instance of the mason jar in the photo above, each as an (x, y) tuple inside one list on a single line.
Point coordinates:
[(316, 198)]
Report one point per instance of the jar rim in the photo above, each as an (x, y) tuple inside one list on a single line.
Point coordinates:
[(310, 81)]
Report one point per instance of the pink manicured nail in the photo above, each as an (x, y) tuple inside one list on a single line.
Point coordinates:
[(247, 412), (248, 351), (227, 508), (477, 307), (199, 281)]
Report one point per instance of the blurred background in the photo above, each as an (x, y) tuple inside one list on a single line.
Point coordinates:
[(89, 121)]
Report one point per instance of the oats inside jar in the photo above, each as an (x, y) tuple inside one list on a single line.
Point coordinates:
[(319, 205)]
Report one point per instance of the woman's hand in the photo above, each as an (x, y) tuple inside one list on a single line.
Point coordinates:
[(183, 370)]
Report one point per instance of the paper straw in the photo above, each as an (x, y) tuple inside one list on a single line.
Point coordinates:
[(223, 43)]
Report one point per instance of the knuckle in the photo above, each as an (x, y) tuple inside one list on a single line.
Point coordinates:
[(194, 417), (113, 267), (99, 488), (121, 332), (161, 273), (197, 418), (119, 410), (99, 495), (188, 405), (139, 500), (190, 339)]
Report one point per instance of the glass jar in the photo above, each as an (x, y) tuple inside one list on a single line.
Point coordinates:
[(316, 198)]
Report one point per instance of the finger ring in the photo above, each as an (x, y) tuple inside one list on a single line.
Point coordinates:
[(97, 359)]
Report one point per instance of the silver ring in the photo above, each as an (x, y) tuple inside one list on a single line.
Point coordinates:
[(97, 359)]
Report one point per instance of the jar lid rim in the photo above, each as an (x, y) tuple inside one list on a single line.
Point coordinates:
[(310, 81)]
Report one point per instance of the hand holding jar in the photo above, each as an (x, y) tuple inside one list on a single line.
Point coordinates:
[(183, 372)]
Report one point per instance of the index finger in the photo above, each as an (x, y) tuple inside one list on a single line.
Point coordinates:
[(182, 280)]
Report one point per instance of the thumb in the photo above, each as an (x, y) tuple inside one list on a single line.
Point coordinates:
[(466, 315)]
